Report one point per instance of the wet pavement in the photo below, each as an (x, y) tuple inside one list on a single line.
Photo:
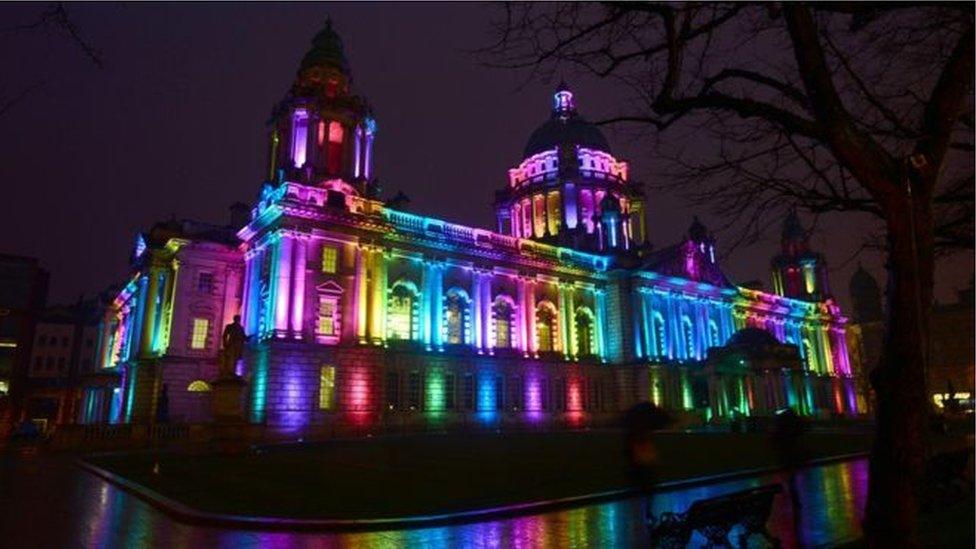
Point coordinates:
[(45, 501)]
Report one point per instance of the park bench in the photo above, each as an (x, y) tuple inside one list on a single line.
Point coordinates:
[(714, 518)]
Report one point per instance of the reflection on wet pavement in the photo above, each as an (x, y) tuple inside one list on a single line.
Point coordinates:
[(46, 502)]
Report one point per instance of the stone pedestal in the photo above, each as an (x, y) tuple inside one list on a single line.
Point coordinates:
[(229, 429), (227, 401)]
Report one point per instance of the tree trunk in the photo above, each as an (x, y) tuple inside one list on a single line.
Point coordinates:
[(902, 413)]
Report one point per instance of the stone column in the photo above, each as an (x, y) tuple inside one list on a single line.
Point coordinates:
[(105, 338), (520, 317), (563, 321), (379, 297), (476, 297), (486, 305), (600, 303), (283, 284), (360, 296), (246, 305), (425, 303), (644, 331), (572, 346), (530, 317), (297, 306), (437, 305), (148, 328)]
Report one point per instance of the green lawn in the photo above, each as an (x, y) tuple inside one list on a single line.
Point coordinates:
[(423, 475)]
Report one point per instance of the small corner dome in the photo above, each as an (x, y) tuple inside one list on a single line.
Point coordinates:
[(565, 126), (752, 337), (326, 51), (862, 280)]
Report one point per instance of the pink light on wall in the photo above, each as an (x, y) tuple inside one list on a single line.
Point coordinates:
[(298, 293), (838, 397), (574, 400), (358, 395)]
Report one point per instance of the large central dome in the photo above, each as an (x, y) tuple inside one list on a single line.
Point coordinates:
[(565, 126)]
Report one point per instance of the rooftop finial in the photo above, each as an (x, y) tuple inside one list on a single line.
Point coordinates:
[(563, 102)]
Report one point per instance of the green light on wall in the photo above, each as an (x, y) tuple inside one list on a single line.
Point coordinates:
[(434, 401), (686, 395)]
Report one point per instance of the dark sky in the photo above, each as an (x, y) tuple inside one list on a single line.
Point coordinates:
[(174, 125)]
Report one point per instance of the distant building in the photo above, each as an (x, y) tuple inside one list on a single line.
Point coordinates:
[(952, 354), (65, 347), (23, 294), (364, 316)]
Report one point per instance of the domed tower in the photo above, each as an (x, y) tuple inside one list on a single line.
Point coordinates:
[(865, 296), (570, 190), (799, 272), (322, 131)]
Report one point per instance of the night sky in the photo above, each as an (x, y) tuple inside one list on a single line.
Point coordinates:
[(173, 125)]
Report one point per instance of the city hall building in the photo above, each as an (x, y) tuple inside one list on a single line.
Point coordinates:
[(363, 317)]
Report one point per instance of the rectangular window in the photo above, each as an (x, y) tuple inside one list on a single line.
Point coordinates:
[(198, 338), (330, 259), (449, 392), (544, 394), (468, 392), (554, 212), (559, 395), (515, 393), (299, 137), (499, 392), (593, 392), (326, 387), (413, 390), (205, 283), (503, 331), (392, 390), (539, 215), (327, 323)]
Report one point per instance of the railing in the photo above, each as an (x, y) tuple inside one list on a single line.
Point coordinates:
[(104, 431), (169, 431)]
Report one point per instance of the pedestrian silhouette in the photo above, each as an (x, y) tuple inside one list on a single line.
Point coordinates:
[(640, 422), (788, 427), (162, 405)]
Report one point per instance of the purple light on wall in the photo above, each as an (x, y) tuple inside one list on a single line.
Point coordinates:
[(299, 137), (296, 403), (533, 393)]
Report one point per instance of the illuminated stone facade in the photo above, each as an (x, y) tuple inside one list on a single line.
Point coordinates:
[(365, 317)]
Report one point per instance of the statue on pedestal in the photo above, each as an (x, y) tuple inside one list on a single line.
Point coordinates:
[(228, 387), (233, 347)]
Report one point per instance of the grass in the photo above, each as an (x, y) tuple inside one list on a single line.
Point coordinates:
[(424, 475)]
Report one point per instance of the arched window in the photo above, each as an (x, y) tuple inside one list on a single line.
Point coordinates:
[(198, 386), (584, 332), (526, 219), (545, 326), (662, 347), (714, 338), (503, 312), (539, 215), (689, 333), (333, 153), (299, 137), (401, 311), (553, 212), (456, 317), (808, 357), (586, 209)]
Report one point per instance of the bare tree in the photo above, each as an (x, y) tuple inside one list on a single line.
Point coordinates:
[(55, 18), (834, 107)]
